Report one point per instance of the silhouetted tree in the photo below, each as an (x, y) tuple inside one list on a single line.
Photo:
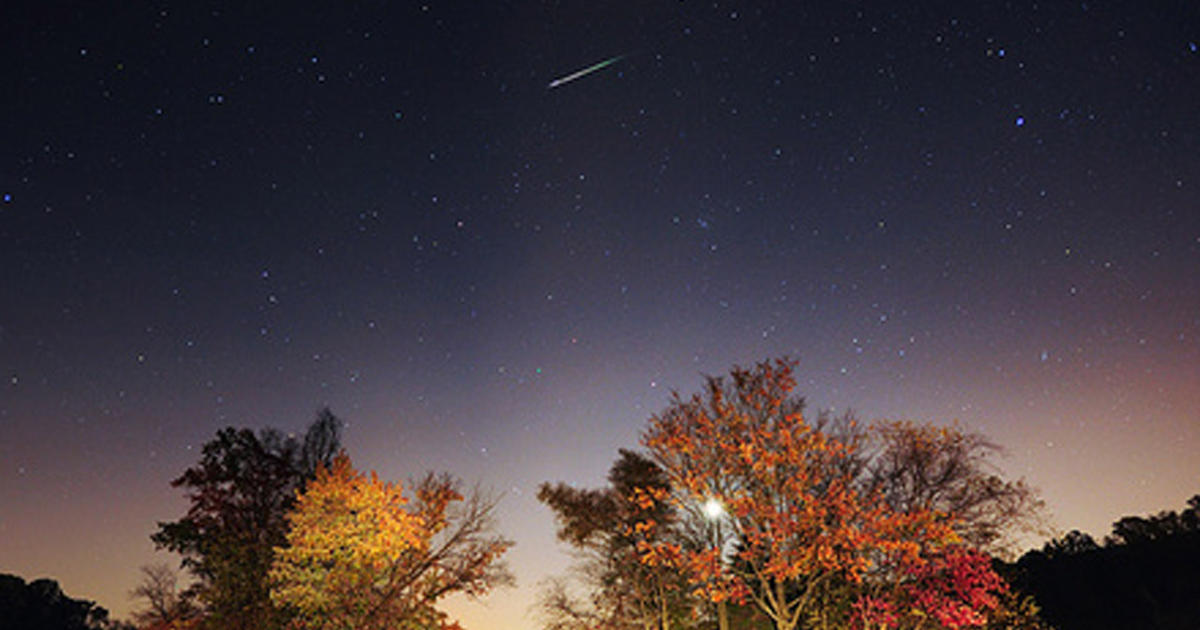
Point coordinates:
[(1146, 575), (322, 441), (239, 494), (1134, 530), (1072, 543), (42, 605), (952, 471), (163, 602)]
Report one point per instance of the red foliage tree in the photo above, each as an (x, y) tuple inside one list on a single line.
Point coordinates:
[(958, 588), (954, 589)]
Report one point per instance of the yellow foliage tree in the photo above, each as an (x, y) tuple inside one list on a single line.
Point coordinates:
[(360, 556)]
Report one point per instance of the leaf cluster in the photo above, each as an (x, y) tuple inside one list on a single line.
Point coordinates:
[(819, 510), (605, 526), (238, 495), (360, 554)]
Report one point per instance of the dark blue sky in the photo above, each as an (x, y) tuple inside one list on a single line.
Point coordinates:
[(218, 215)]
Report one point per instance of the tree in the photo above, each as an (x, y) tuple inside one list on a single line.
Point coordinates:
[(1145, 575), (605, 526), (1072, 543), (958, 589), (806, 524), (950, 471), (359, 555), (322, 442), (164, 604), (42, 605), (240, 492)]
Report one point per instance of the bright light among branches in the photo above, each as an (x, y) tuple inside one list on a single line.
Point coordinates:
[(713, 509)]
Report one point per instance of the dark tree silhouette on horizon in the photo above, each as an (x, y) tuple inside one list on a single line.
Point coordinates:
[(42, 605), (1145, 575)]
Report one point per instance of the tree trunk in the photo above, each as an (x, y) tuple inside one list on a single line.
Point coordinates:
[(783, 621), (662, 610)]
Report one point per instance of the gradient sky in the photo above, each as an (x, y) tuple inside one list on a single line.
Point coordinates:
[(220, 215)]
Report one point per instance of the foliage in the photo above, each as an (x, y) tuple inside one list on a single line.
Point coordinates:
[(958, 589), (360, 556), (954, 589), (1136, 530), (1016, 611), (792, 496), (1145, 575), (42, 605), (239, 493), (1072, 543), (828, 521), (602, 525)]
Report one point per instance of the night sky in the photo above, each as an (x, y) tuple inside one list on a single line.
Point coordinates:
[(222, 215)]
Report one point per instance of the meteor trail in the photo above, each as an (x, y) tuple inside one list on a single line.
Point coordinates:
[(586, 71)]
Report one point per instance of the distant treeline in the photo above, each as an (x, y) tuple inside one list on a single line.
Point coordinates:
[(42, 605), (1145, 575)]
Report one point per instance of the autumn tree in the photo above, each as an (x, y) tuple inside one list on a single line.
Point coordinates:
[(789, 494), (239, 494), (815, 532), (604, 527), (360, 555), (953, 589)]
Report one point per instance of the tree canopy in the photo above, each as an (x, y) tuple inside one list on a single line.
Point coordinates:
[(360, 555), (239, 494), (825, 523), (42, 605), (1145, 574), (604, 526)]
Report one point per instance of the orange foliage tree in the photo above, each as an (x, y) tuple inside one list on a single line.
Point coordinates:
[(805, 526), (360, 555), (605, 527)]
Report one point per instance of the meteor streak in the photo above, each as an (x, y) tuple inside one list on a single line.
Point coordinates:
[(586, 71)]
